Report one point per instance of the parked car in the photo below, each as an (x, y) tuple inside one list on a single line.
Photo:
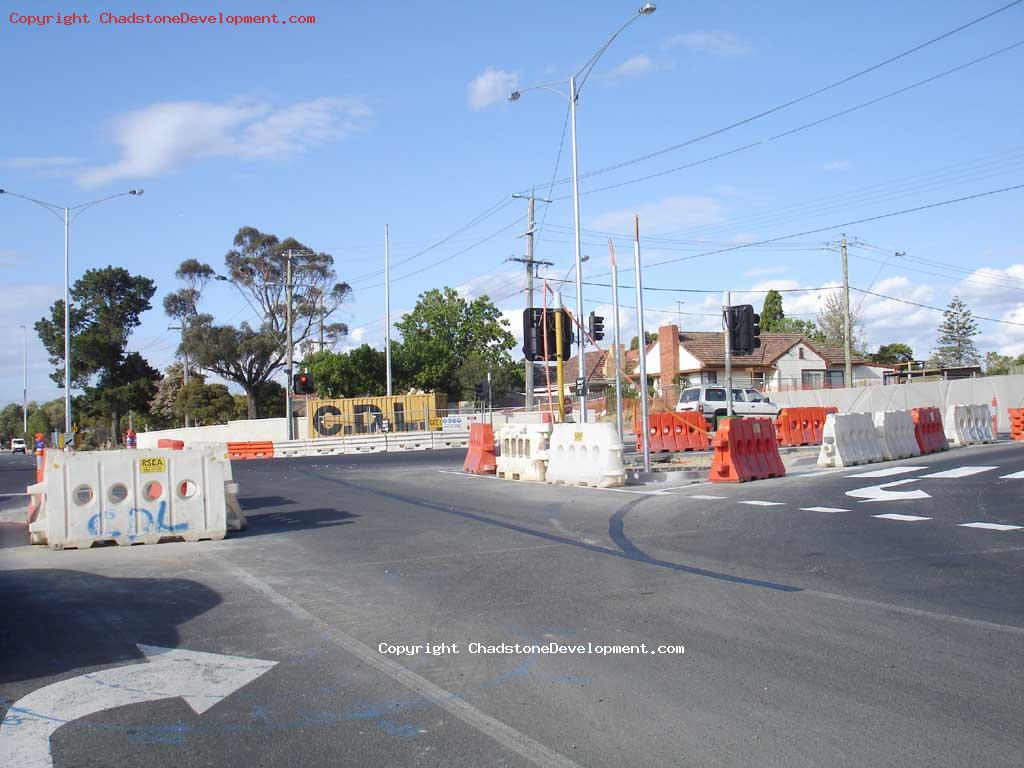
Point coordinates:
[(17, 445), (710, 400)]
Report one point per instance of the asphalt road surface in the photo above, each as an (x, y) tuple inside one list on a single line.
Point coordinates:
[(827, 619)]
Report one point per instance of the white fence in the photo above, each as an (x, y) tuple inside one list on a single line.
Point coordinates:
[(1008, 392)]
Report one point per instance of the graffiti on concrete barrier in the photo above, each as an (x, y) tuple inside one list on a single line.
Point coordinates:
[(140, 523)]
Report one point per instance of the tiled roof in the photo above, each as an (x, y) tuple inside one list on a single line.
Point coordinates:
[(594, 366), (709, 349)]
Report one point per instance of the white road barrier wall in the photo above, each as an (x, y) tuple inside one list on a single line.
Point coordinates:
[(240, 431), (586, 454), (1008, 392), (131, 497), (896, 430), (378, 443), (523, 451), (849, 439), (968, 424)]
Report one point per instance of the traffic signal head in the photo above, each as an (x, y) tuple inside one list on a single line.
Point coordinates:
[(478, 389), (744, 328), (755, 329), (596, 326), (302, 384), (533, 334)]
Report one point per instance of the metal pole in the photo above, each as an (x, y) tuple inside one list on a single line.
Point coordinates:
[(617, 357), (529, 293), (559, 353), (643, 344), (847, 340), (726, 303), (24, 379), (581, 346), (490, 397), (387, 309), (67, 339), (288, 314), (185, 376)]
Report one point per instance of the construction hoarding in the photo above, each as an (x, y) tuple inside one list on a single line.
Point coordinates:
[(369, 415)]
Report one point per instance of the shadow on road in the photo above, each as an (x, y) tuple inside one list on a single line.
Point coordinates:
[(294, 520), (262, 502), (53, 620)]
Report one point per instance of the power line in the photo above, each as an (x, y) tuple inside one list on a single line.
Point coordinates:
[(936, 309), (799, 99)]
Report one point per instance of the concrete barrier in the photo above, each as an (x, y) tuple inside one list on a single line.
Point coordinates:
[(523, 451), (131, 497), (896, 431), (849, 439), (586, 454)]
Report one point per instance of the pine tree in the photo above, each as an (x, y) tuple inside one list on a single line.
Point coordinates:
[(955, 346), (771, 313)]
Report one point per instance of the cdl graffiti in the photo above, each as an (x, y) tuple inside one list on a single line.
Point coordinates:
[(371, 415)]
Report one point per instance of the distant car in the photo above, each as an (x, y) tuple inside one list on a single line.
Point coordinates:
[(710, 400), (17, 445)]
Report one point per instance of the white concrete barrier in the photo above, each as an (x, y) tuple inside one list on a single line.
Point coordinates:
[(586, 454), (523, 451), (375, 443), (131, 497), (896, 431), (849, 439), (968, 424)]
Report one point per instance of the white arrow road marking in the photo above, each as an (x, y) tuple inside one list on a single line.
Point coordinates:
[(959, 472), (902, 518), (764, 503), (201, 679), (992, 526), (879, 492), (1013, 476), (888, 472), (822, 509)]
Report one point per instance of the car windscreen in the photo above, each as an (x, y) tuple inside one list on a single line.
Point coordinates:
[(717, 395)]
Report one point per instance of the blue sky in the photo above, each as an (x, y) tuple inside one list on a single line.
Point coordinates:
[(394, 114)]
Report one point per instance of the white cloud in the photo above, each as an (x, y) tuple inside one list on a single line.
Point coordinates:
[(635, 66), (994, 287), (837, 165), (719, 44), (489, 87), (495, 285), (167, 135), (669, 214)]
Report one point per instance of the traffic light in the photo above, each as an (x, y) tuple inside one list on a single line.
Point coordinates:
[(596, 326), (302, 384), (744, 327), (534, 324), (478, 390)]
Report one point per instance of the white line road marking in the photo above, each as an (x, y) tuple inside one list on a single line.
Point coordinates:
[(504, 734), (879, 492), (902, 518), (822, 509), (1013, 476), (888, 472), (992, 526), (959, 472), (705, 497), (764, 503)]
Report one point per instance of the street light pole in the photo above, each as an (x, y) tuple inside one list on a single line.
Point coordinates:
[(387, 308), (288, 322), (24, 379), (64, 213)]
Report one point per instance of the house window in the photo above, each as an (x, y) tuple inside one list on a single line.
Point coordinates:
[(834, 379), (709, 377), (800, 353)]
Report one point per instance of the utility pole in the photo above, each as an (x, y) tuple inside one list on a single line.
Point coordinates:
[(559, 377), (847, 341), (617, 355), (288, 321), (387, 309), (726, 319), (531, 272)]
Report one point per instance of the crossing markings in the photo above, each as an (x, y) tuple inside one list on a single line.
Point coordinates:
[(888, 472), (1013, 476), (902, 518), (704, 497), (992, 526), (959, 472), (823, 509), (764, 503)]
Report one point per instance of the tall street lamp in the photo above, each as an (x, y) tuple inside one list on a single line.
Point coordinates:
[(67, 215), (574, 91), (24, 378)]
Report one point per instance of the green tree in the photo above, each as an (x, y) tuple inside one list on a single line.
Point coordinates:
[(270, 398), (1001, 365), (39, 420), (506, 376), (359, 372), (443, 332), (771, 313), (107, 305), (891, 354), (830, 323), (955, 346), (206, 403), (162, 406), (651, 337), (10, 423)]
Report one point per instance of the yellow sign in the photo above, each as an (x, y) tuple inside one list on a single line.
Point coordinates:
[(74, 428), (435, 424), (152, 465), (578, 437)]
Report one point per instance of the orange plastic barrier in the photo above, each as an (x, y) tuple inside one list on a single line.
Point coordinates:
[(928, 430), (174, 445), (33, 502), (686, 431), (1016, 423), (480, 458), (745, 449), (252, 449)]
